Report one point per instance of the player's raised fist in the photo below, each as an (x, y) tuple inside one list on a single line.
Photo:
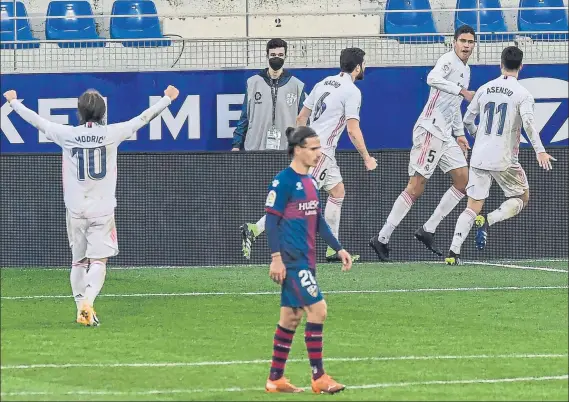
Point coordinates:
[(10, 95), (171, 92), (371, 163)]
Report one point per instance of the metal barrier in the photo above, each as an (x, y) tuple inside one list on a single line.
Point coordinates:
[(244, 43), (204, 54)]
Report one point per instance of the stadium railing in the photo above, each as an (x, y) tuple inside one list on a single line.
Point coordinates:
[(246, 48)]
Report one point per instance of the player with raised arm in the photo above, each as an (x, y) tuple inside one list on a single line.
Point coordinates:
[(293, 219), (504, 106), (89, 184), (438, 140), (333, 104)]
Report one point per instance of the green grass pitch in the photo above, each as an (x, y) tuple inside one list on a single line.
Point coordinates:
[(401, 331)]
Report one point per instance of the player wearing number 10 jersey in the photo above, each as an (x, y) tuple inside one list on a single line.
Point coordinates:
[(504, 106), (89, 183)]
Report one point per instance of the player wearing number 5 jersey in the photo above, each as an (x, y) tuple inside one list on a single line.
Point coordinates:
[(89, 183), (438, 140), (333, 105), (504, 106)]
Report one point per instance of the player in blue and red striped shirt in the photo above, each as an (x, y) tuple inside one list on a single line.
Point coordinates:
[(294, 217)]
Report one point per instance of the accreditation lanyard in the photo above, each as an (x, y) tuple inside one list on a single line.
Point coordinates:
[(274, 93)]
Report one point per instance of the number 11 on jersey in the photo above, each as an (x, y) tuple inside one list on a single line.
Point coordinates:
[(491, 109)]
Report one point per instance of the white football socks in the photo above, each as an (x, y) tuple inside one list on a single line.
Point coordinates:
[(77, 277), (463, 226), (449, 201), (95, 280), (260, 225), (509, 208), (332, 214), (402, 205)]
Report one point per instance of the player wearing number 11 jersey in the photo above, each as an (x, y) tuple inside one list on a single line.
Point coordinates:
[(89, 183), (504, 106)]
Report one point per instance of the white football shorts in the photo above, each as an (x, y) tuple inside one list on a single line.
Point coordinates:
[(92, 237), (513, 181), (428, 152), (326, 173)]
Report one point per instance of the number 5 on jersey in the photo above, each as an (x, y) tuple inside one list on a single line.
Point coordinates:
[(94, 164)]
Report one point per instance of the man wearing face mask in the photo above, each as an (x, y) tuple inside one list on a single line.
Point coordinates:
[(272, 101)]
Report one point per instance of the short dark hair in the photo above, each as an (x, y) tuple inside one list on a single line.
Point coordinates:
[(297, 137), (350, 58), (512, 57), (91, 107), (275, 43), (464, 29)]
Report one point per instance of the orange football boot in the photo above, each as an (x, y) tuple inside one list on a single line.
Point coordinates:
[(88, 317), (82, 320), (326, 385), (281, 385)]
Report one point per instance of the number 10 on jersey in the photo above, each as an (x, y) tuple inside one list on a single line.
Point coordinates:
[(91, 162)]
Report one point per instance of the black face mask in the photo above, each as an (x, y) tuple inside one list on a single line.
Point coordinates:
[(276, 63)]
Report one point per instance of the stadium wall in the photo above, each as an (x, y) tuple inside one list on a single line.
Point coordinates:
[(185, 209), (205, 115)]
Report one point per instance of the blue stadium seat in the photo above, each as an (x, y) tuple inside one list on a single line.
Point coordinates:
[(136, 26), (410, 22), (24, 32), (71, 27), (490, 20), (543, 20)]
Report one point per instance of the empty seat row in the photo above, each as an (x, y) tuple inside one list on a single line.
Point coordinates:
[(491, 21), (138, 26), (73, 28)]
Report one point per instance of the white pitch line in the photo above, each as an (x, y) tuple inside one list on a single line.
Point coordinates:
[(186, 294), (264, 266), (261, 361), (239, 389), (150, 267), (530, 260), (492, 264)]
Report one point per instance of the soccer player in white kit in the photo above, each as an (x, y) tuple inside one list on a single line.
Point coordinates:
[(89, 183), (438, 140), (333, 105), (504, 106)]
